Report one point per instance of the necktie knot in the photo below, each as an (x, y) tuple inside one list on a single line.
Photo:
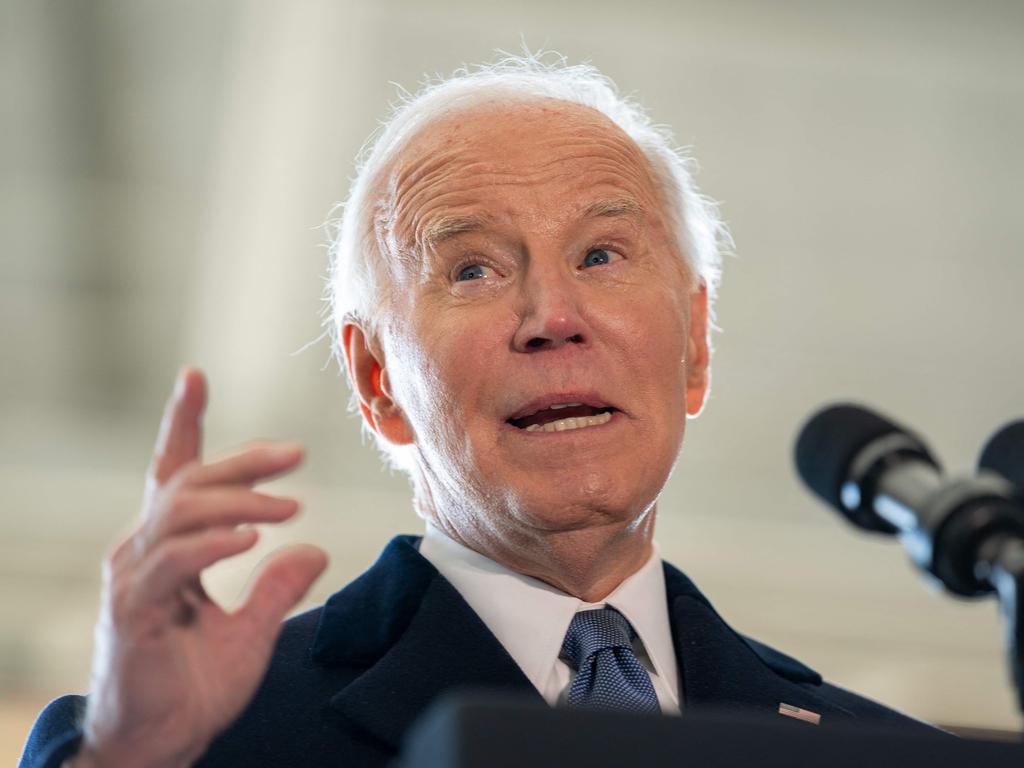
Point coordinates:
[(593, 631), (599, 647)]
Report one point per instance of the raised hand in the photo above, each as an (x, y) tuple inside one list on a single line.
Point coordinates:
[(171, 668)]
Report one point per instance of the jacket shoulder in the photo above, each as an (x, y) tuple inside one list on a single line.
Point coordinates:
[(781, 663), (861, 707), (56, 734), (723, 668), (868, 709)]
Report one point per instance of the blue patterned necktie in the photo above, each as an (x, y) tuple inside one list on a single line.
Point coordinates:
[(599, 647)]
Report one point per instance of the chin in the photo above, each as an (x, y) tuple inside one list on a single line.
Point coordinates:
[(588, 500)]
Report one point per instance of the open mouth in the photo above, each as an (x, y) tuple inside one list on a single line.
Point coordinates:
[(561, 417)]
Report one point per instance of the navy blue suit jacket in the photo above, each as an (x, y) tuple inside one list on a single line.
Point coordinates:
[(347, 679)]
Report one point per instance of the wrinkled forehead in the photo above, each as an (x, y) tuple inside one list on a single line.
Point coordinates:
[(473, 159)]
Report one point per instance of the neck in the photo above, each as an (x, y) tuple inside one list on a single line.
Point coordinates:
[(586, 562)]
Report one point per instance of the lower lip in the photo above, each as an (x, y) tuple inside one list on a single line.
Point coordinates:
[(568, 433)]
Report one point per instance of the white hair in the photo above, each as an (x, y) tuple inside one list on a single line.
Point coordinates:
[(358, 248)]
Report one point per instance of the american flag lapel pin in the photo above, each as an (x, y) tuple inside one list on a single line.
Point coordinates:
[(799, 714)]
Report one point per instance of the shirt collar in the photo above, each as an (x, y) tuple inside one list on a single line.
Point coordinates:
[(530, 618)]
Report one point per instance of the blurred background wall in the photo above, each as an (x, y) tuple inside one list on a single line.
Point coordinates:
[(164, 168)]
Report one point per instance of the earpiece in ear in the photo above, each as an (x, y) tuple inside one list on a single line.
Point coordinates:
[(375, 381)]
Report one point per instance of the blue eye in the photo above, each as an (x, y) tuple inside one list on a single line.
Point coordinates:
[(472, 272), (596, 256)]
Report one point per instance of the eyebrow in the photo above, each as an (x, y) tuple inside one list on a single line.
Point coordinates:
[(447, 227), (614, 207)]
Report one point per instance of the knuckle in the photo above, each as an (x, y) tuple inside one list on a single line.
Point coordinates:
[(179, 504), (187, 473), (171, 559), (127, 551), (118, 605), (121, 549), (121, 597)]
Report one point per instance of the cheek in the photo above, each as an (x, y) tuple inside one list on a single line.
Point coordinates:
[(444, 370), (652, 339), (659, 383)]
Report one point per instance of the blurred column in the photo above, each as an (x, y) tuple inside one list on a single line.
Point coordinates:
[(48, 260), (280, 164)]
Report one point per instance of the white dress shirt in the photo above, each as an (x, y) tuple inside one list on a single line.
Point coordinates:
[(530, 618)]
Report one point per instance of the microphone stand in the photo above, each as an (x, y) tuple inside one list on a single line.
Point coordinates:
[(1001, 564), (968, 534)]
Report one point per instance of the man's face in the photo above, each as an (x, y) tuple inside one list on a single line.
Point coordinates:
[(539, 339)]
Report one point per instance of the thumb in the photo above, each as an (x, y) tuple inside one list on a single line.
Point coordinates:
[(280, 584)]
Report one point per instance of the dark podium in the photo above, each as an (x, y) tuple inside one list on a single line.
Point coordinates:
[(487, 732)]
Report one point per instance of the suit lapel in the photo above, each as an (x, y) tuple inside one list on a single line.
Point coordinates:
[(415, 637), (411, 637), (720, 669)]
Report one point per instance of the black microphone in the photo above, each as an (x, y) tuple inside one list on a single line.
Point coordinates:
[(883, 478), (1004, 454)]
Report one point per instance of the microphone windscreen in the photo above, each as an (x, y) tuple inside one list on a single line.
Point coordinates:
[(1004, 454), (829, 442)]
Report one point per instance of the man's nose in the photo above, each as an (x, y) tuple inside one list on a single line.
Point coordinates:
[(551, 316)]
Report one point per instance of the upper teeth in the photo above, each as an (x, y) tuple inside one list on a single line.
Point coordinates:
[(566, 405), (573, 422)]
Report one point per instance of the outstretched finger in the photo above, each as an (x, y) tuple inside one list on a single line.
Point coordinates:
[(180, 438), (280, 584), (218, 507), (257, 462), (179, 560)]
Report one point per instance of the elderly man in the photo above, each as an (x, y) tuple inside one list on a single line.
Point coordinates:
[(521, 290)]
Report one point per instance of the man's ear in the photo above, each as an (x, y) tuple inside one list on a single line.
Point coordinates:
[(368, 374), (698, 353)]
